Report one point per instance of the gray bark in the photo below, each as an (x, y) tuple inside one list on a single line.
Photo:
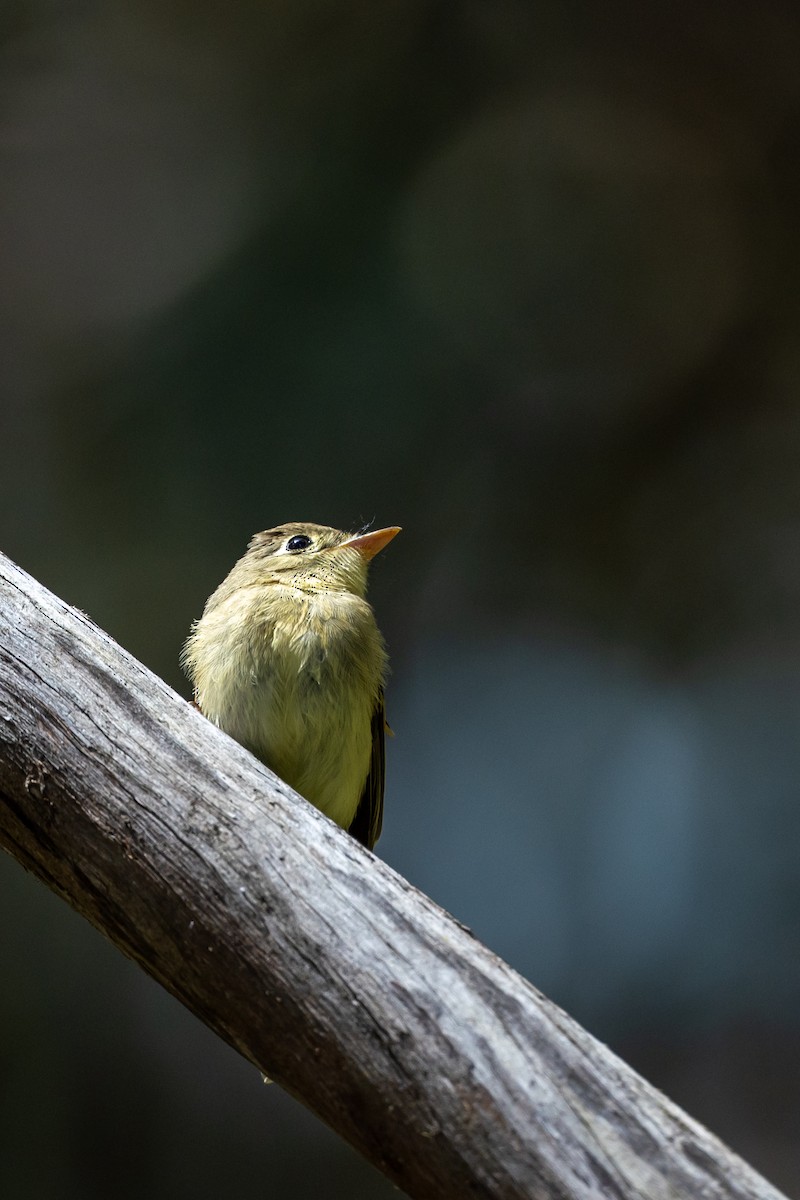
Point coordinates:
[(310, 956)]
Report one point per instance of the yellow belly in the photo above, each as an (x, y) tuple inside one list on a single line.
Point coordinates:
[(298, 686)]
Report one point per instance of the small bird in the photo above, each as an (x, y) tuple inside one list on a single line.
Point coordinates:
[(287, 658)]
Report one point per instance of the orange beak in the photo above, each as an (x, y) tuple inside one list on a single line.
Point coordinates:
[(369, 544)]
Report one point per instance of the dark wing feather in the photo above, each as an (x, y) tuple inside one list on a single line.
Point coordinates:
[(366, 824)]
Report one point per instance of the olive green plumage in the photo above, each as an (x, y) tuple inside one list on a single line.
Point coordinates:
[(287, 658)]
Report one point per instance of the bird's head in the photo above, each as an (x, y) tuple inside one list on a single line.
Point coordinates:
[(316, 557)]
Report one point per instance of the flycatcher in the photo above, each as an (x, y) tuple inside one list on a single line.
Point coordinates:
[(287, 658)]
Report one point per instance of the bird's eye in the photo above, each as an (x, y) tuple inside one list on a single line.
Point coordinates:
[(299, 542)]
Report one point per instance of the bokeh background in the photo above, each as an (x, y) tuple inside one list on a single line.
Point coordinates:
[(523, 278)]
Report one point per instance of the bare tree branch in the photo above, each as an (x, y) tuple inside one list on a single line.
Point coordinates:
[(303, 951)]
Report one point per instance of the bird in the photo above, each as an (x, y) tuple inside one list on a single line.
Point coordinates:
[(288, 659)]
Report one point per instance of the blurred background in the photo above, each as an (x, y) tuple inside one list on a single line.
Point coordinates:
[(522, 278)]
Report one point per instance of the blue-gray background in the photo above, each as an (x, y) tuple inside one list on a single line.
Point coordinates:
[(522, 278)]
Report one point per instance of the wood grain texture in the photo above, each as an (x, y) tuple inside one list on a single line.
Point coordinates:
[(306, 953)]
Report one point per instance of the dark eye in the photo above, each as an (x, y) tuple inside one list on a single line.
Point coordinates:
[(300, 542)]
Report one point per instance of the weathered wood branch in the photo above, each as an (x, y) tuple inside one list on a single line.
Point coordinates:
[(308, 955)]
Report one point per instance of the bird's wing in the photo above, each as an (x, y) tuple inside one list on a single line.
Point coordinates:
[(366, 824)]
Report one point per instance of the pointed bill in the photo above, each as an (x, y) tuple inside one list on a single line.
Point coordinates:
[(369, 544)]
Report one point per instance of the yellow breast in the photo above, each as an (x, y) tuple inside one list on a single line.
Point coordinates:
[(295, 676)]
